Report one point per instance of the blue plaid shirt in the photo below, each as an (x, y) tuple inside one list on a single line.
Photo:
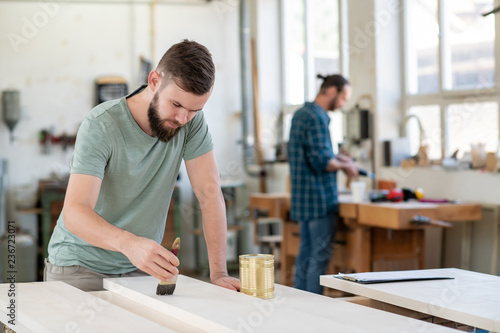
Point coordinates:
[(314, 190)]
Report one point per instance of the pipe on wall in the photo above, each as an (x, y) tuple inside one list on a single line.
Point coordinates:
[(246, 86)]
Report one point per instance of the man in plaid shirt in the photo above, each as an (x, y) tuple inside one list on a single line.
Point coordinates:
[(313, 174)]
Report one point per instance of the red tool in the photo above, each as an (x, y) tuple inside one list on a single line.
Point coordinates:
[(395, 195)]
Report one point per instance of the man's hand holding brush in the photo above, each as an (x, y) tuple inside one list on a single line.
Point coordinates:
[(151, 257)]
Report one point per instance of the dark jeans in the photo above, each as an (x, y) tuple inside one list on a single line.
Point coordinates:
[(316, 247)]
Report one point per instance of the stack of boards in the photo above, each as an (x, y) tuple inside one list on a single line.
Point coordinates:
[(131, 305)]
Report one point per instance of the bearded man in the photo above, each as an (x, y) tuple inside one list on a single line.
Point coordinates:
[(123, 171), (313, 177)]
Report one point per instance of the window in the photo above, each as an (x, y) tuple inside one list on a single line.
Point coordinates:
[(470, 124), (450, 70), (324, 49), (423, 47), (294, 53), (430, 120), (311, 46), (468, 44)]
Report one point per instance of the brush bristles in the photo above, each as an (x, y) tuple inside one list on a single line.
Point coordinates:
[(165, 289), (168, 287)]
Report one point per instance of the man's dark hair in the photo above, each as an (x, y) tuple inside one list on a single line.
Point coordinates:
[(335, 80), (189, 64)]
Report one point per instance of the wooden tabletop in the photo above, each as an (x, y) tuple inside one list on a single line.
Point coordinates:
[(215, 309), (131, 305), (470, 298), (393, 215), (397, 215)]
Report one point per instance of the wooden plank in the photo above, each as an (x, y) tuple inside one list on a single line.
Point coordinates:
[(256, 117), (397, 215), (348, 210), (289, 250), (358, 247), (384, 306), (58, 307), (146, 312), (396, 250), (470, 298), (272, 204), (459, 212), (466, 246), (215, 309), (18, 328), (394, 215)]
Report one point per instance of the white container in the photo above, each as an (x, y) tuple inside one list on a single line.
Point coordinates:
[(358, 191)]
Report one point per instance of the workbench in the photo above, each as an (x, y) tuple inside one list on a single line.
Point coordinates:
[(379, 236), (470, 298), (131, 305)]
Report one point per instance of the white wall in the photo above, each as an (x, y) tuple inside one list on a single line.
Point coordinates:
[(466, 185), (56, 65)]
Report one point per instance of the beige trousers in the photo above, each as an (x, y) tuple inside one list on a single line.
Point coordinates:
[(81, 277)]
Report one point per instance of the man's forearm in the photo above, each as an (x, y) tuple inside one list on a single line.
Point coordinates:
[(96, 230), (335, 165), (215, 230)]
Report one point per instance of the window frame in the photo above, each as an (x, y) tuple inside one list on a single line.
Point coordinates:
[(310, 78), (444, 98)]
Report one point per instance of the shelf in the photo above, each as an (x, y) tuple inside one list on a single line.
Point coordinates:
[(35, 210), (235, 227)]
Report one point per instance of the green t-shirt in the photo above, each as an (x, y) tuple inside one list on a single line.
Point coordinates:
[(138, 175)]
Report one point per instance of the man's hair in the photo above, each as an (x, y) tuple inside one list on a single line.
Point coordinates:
[(189, 64), (335, 80)]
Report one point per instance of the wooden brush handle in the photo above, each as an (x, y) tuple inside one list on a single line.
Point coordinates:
[(176, 246)]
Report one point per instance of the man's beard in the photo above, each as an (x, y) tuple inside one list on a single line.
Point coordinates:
[(333, 104), (162, 132)]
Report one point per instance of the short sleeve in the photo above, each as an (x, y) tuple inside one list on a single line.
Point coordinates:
[(198, 139), (92, 148)]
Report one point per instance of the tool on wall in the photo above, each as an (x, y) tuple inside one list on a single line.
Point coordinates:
[(110, 87), (48, 139), (11, 110), (358, 135)]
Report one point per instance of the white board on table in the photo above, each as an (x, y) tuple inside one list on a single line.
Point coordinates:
[(58, 307), (215, 309), (469, 298)]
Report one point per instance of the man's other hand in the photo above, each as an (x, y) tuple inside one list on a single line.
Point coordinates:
[(225, 281)]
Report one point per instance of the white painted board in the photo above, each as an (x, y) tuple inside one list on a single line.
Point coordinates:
[(470, 298), (58, 307), (215, 309), (146, 312)]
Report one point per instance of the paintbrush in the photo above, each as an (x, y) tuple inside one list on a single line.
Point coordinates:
[(168, 287)]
